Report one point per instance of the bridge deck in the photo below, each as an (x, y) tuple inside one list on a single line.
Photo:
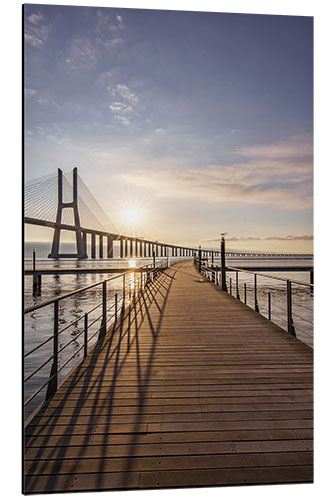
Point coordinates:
[(191, 388)]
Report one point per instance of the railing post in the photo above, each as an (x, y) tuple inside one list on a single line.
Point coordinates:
[(115, 307), (230, 291), (223, 275), (102, 331), (237, 290), (199, 259), (244, 293), (85, 335), (256, 306), (311, 281), (269, 306), (291, 328), (34, 275), (36, 278), (53, 383)]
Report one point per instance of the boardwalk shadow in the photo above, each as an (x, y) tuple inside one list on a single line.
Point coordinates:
[(92, 402)]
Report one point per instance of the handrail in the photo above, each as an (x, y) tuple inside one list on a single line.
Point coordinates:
[(70, 294), (258, 273), (149, 271)]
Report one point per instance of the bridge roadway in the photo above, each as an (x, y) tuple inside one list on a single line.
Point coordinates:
[(190, 388)]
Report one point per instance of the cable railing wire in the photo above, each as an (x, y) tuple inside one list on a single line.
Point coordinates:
[(234, 287), (130, 289)]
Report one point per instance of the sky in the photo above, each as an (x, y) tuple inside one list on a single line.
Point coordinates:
[(199, 123)]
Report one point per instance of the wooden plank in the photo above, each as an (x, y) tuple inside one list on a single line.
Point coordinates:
[(97, 411), (108, 465), (223, 477), (162, 449), (134, 422), (81, 482), (173, 437)]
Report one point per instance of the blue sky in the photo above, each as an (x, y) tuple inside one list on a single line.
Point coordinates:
[(201, 121)]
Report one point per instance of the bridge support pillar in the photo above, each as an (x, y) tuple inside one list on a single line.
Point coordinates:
[(110, 247), (93, 245), (100, 246), (84, 241), (121, 250), (81, 252), (131, 248)]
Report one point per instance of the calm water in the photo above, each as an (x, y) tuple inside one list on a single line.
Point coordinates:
[(302, 296), (39, 324)]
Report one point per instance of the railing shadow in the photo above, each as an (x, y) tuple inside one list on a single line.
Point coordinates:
[(105, 365)]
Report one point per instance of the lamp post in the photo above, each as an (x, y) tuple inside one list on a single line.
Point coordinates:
[(223, 277), (199, 258)]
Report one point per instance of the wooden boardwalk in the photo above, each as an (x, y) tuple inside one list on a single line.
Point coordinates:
[(191, 388)]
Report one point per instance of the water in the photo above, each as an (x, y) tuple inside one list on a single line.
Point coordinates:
[(302, 295), (39, 324)]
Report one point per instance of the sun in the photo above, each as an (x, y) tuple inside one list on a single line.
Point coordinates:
[(133, 212), (132, 215)]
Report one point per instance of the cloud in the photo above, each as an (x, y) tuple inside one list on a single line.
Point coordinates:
[(120, 107), (124, 101), (36, 33), (120, 22), (296, 147), (123, 120), (106, 25), (106, 20), (110, 44), (215, 186), (126, 93), (81, 53), (35, 18), (287, 237), (282, 182), (30, 91)]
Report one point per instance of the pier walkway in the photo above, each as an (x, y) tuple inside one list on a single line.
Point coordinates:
[(190, 388)]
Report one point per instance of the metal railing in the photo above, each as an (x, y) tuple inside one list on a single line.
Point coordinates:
[(215, 274), (141, 277)]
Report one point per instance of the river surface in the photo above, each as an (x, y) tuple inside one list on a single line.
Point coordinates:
[(38, 325)]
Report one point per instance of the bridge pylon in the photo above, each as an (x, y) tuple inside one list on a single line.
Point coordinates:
[(81, 252)]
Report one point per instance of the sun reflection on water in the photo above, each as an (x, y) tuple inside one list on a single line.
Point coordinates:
[(132, 263)]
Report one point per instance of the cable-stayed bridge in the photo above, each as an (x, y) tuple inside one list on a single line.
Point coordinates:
[(63, 201)]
